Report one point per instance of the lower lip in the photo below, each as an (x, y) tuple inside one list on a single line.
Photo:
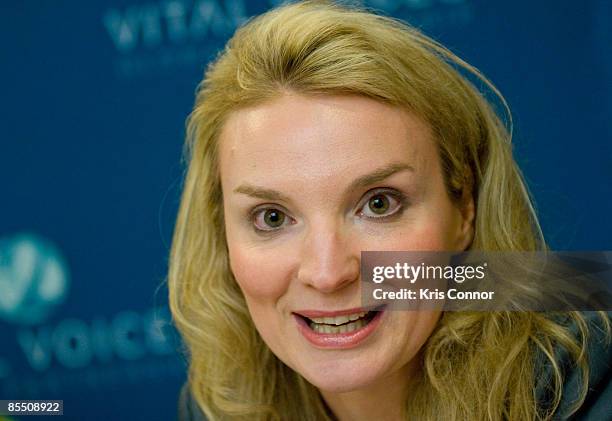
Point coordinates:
[(338, 340)]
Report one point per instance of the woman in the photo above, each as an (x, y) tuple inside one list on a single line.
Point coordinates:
[(319, 132)]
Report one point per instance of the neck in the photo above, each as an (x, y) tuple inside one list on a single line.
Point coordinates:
[(384, 399)]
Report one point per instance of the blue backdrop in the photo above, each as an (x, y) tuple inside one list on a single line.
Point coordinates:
[(94, 98)]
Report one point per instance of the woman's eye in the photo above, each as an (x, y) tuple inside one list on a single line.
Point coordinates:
[(381, 205), (269, 219)]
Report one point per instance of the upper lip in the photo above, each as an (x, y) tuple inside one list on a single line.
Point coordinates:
[(321, 313)]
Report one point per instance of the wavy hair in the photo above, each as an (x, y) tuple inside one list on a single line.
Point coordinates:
[(476, 366)]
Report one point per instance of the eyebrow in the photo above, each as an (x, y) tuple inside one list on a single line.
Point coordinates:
[(363, 181)]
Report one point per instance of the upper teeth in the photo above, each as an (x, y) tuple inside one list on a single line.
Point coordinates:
[(338, 320)]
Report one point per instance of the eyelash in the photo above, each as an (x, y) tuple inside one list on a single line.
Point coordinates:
[(400, 198)]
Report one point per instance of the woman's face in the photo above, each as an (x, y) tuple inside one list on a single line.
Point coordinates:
[(308, 183)]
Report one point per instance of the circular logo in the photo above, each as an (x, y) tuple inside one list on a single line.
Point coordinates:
[(33, 278)]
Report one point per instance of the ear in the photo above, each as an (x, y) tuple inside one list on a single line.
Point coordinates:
[(468, 215)]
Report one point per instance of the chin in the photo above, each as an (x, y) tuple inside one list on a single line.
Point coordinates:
[(342, 376)]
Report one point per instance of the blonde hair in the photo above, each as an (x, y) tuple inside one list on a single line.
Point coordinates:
[(475, 365)]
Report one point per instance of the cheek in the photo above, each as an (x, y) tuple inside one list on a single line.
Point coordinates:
[(264, 280), (262, 276), (421, 325), (434, 227), (424, 235)]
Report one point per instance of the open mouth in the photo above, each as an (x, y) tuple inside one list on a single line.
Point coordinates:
[(340, 324)]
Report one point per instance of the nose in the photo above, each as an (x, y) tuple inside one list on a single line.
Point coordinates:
[(329, 261)]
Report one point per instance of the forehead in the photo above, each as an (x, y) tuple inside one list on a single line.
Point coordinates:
[(319, 138)]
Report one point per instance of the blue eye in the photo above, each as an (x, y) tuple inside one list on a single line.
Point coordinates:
[(382, 205)]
